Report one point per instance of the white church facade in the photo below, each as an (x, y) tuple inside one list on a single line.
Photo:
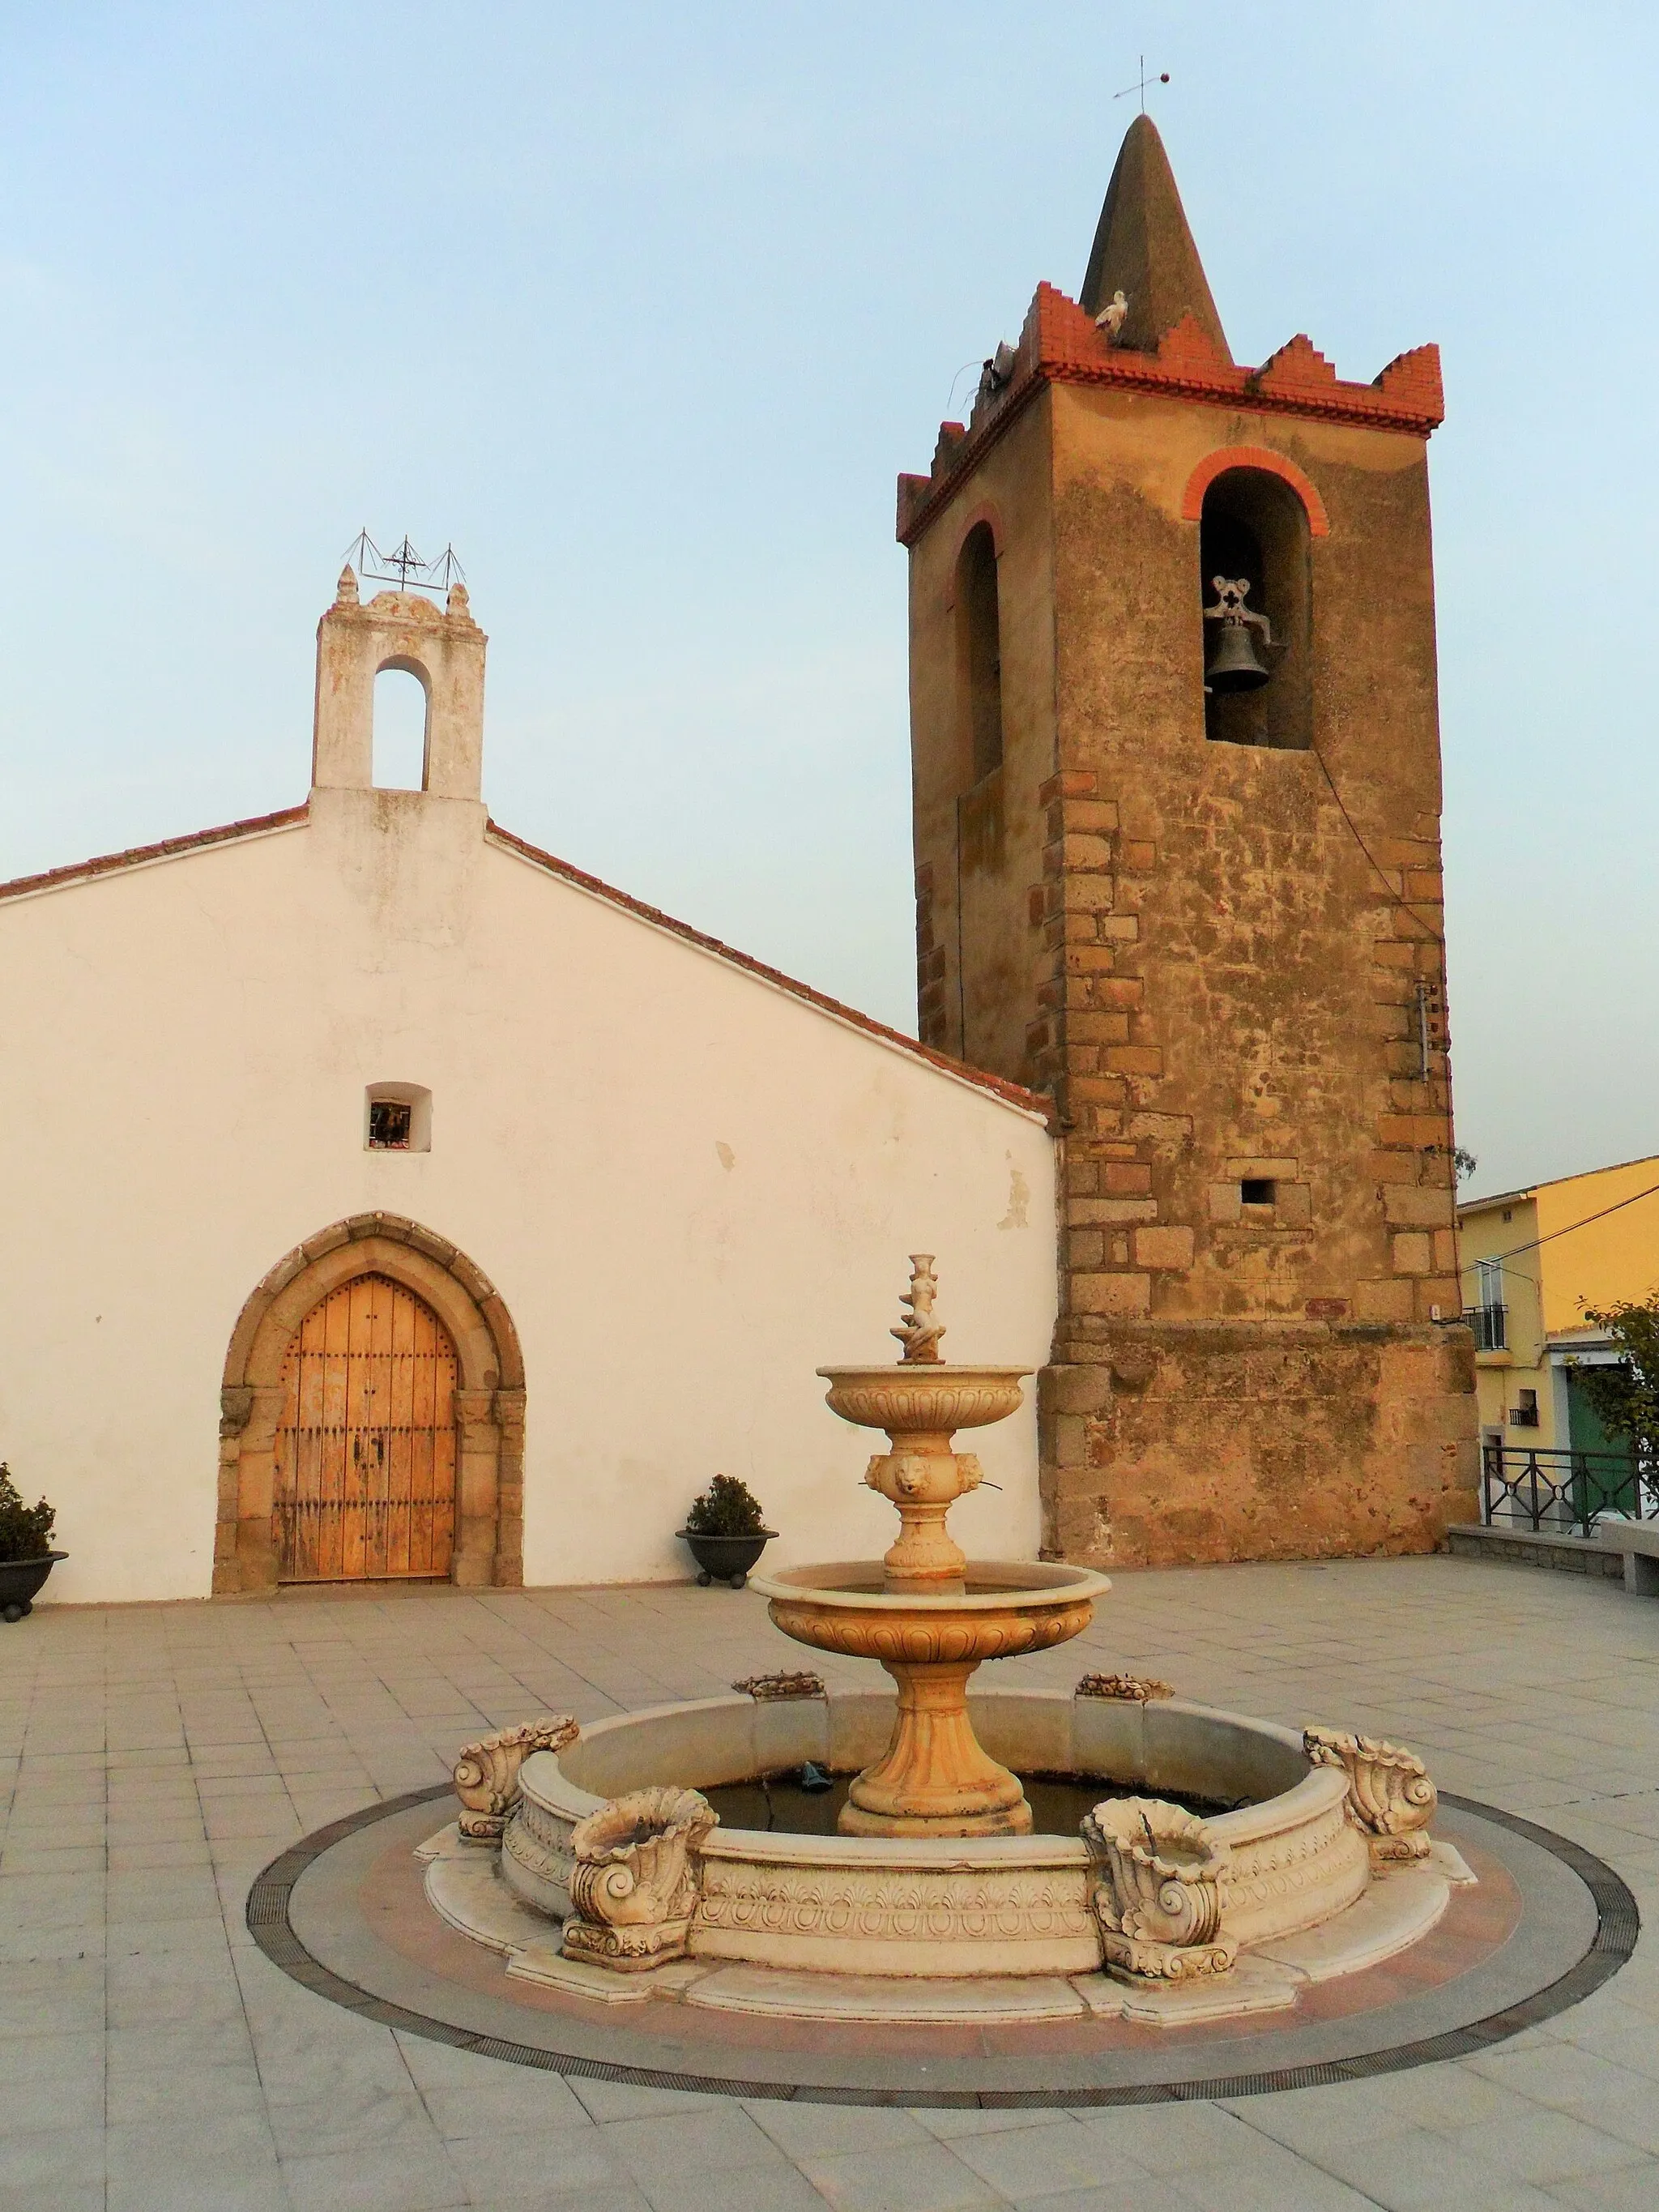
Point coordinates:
[(385, 1197)]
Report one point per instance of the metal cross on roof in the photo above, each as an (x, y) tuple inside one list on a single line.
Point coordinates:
[(404, 565), (1139, 86)]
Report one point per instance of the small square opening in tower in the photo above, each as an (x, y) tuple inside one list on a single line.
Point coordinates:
[(389, 1124), (1258, 1190)]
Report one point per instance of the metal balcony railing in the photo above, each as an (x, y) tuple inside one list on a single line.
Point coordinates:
[(1564, 1493), (1490, 1326)]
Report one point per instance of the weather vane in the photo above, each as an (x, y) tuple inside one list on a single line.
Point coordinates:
[(404, 565), (1139, 86)]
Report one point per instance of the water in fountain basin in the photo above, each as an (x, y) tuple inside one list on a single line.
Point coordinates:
[(1058, 1802)]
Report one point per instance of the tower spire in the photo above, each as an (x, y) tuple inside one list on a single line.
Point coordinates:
[(1144, 249)]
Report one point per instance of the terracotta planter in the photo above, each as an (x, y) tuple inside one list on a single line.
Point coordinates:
[(725, 1558), (21, 1580)]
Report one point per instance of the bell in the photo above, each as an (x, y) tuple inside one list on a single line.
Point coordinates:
[(1234, 664)]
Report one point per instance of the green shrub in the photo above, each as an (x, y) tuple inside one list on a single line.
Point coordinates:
[(25, 1530), (727, 1507)]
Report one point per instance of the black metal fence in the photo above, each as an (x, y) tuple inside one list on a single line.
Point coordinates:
[(1564, 1493)]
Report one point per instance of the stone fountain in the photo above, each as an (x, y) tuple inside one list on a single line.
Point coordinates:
[(923, 1611), (1209, 1864)]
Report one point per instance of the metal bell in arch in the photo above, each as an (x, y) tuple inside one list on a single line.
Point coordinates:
[(1234, 663)]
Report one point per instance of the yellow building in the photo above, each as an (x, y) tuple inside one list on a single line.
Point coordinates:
[(1532, 1261)]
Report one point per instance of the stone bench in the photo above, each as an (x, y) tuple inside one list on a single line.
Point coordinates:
[(1639, 1542)]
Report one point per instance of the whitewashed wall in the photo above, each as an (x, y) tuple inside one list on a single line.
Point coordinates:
[(690, 1188)]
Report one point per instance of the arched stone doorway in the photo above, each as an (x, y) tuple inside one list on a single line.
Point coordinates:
[(488, 1397)]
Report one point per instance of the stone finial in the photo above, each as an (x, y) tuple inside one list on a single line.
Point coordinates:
[(346, 593), (1158, 1908), (458, 603), (633, 1886), (1390, 1796), (1128, 1689), (920, 1333), (773, 1689), (487, 1772)]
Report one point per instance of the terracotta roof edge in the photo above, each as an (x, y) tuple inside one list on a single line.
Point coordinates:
[(1012, 1094), (137, 856)]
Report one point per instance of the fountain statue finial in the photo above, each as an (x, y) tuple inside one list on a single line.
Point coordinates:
[(920, 1332)]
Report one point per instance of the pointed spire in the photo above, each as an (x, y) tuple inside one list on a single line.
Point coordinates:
[(1144, 249)]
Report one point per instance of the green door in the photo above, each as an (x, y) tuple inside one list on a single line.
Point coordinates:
[(1604, 1470)]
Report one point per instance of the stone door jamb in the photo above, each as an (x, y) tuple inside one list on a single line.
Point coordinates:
[(489, 1400)]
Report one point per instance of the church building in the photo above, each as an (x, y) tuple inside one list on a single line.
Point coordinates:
[(388, 1198)]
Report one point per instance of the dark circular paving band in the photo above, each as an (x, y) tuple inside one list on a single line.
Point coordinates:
[(1617, 1926)]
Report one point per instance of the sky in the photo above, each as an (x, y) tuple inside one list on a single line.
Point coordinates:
[(643, 308)]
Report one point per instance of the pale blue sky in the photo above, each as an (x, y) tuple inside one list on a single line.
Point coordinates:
[(644, 306)]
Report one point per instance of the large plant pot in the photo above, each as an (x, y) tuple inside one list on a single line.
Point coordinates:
[(725, 1558), (21, 1581)]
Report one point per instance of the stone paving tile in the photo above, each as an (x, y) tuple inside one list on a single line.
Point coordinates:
[(1146, 2196), (385, 2179), (1163, 2138), (524, 2169), (946, 2121), (1633, 2189), (1269, 2180), (1035, 2162), (1546, 2146), (914, 2178), (53, 2167), (804, 2130), (183, 2167)]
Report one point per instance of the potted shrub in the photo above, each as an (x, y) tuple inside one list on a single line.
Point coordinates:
[(727, 1531), (26, 1557)]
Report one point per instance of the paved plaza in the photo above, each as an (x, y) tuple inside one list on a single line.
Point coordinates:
[(154, 1758)]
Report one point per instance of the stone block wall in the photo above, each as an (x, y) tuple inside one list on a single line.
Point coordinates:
[(1171, 1443)]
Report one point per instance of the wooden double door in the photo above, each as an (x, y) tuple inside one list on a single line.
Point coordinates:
[(365, 1452)]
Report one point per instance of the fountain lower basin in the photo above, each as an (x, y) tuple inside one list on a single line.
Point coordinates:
[(928, 1906)]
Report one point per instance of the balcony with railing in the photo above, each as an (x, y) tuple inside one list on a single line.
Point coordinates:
[(1490, 1326)]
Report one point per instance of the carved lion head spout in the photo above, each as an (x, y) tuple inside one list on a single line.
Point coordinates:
[(1158, 1908), (1390, 1796), (634, 1887), (487, 1772)]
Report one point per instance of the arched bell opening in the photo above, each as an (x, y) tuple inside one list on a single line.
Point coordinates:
[(979, 654), (1255, 574)]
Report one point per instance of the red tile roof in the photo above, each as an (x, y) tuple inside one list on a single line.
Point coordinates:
[(136, 856)]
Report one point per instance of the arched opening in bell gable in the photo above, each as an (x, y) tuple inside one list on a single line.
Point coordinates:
[(402, 719)]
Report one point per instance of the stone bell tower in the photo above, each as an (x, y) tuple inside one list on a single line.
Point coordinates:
[(1177, 784)]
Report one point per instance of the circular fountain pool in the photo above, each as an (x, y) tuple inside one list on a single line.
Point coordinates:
[(943, 1906)]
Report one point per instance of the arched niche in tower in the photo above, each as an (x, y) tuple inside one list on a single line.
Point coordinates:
[(979, 654), (1254, 527)]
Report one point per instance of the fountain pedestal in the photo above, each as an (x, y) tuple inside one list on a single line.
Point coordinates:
[(924, 1613)]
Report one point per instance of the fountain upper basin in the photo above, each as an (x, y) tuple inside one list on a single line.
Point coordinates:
[(922, 1399), (1001, 1608)]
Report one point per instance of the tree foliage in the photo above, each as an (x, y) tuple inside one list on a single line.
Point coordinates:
[(1625, 1392)]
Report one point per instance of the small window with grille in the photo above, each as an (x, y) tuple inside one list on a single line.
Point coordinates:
[(397, 1118), (388, 1124)]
